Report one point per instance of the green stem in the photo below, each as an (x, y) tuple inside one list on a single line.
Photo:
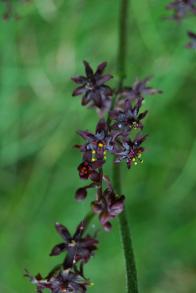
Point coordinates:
[(122, 47), (131, 272)]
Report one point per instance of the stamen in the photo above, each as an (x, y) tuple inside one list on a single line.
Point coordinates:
[(100, 145), (73, 243)]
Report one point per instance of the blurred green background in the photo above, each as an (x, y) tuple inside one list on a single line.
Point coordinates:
[(38, 119)]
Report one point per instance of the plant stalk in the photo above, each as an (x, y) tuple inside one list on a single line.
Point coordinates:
[(131, 272)]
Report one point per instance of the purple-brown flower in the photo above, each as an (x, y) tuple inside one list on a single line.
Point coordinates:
[(96, 145), (60, 281), (92, 87), (108, 207), (78, 246), (181, 8), (129, 116), (131, 151), (139, 89)]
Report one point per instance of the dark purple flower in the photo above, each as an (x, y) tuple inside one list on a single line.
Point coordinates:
[(131, 151), (92, 87), (85, 170), (88, 170), (81, 193), (139, 90), (192, 40), (108, 207), (128, 117), (181, 8), (60, 281), (78, 246), (96, 145)]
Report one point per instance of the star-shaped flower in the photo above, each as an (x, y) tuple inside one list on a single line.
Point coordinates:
[(61, 281), (96, 145), (128, 117), (78, 246), (131, 151), (139, 89), (92, 87)]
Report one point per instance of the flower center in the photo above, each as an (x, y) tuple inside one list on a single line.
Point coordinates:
[(72, 243), (99, 152), (137, 158)]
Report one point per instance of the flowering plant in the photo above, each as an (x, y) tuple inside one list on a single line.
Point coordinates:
[(120, 135)]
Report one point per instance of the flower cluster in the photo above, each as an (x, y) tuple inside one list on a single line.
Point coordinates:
[(120, 136), (94, 91), (68, 276), (182, 9)]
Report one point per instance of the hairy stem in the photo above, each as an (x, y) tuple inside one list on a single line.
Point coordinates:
[(131, 273)]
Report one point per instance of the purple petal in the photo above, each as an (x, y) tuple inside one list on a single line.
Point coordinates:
[(58, 249), (117, 207), (103, 79), (140, 139), (101, 68), (104, 217), (79, 79), (97, 98), (79, 91), (88, 69), (86, 98), (142, 115), (101, 126), (63, 232), (114, 114), (80, 229), (86, 135)]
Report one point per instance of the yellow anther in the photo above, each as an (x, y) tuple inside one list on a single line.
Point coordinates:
[(135, 163), (92, 284), (72, 244), (93, 151), (139, 155), (100, 144), (104, 152), (93, 159), (133, 159), (105, 157), (142, 161)]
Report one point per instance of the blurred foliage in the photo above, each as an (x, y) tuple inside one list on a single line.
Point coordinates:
[(38, 119)]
